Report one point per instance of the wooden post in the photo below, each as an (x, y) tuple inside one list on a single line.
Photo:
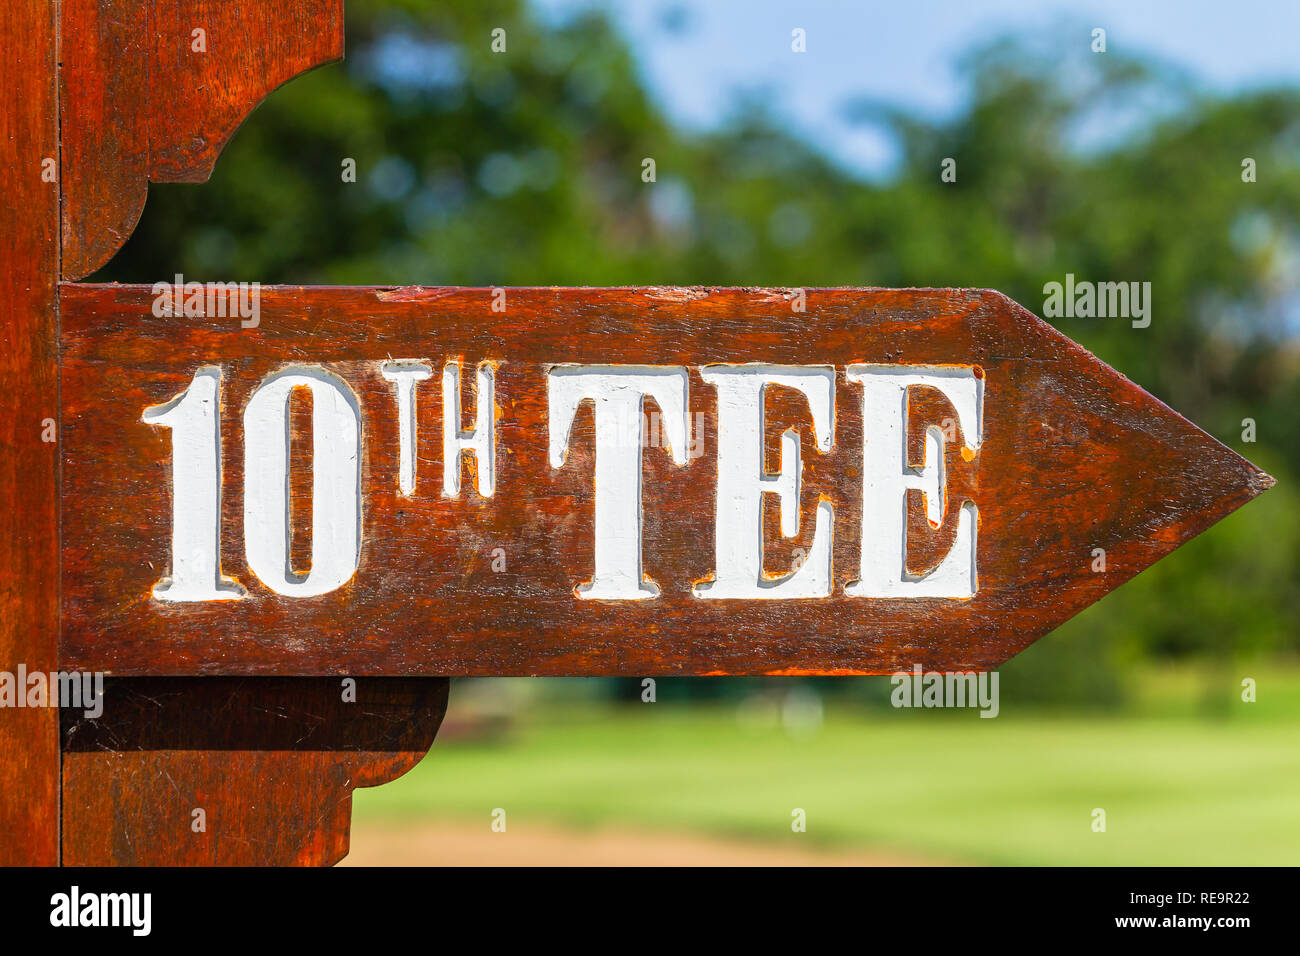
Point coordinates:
[(271, 764), (29, 411)]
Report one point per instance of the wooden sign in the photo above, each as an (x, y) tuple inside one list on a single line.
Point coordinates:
[(586, 481), (205, 483)]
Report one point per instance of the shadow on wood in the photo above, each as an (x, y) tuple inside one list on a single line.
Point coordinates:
[(235, 771)]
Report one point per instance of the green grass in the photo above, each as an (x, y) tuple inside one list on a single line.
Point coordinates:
[(1017, 789)]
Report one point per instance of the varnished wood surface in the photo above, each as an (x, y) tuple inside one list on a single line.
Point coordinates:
[(271, 763), (141, 104), (29, 550), (1075, 457)]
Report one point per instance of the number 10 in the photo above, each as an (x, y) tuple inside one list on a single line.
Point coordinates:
[(194, 418)]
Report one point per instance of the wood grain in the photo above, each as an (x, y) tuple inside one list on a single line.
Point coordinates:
[(141, 104), (271, 763), (274, 762), (29, 544), (1075, 457), (103, 93)]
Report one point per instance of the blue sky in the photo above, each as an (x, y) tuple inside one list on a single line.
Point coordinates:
[(697, 55)]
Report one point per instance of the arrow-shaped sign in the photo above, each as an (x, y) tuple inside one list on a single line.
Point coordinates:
[(599, 481)]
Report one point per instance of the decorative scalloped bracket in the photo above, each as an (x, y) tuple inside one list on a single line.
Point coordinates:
[(151, 91)]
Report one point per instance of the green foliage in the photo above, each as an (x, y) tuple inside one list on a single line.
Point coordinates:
[(1017, 789)]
